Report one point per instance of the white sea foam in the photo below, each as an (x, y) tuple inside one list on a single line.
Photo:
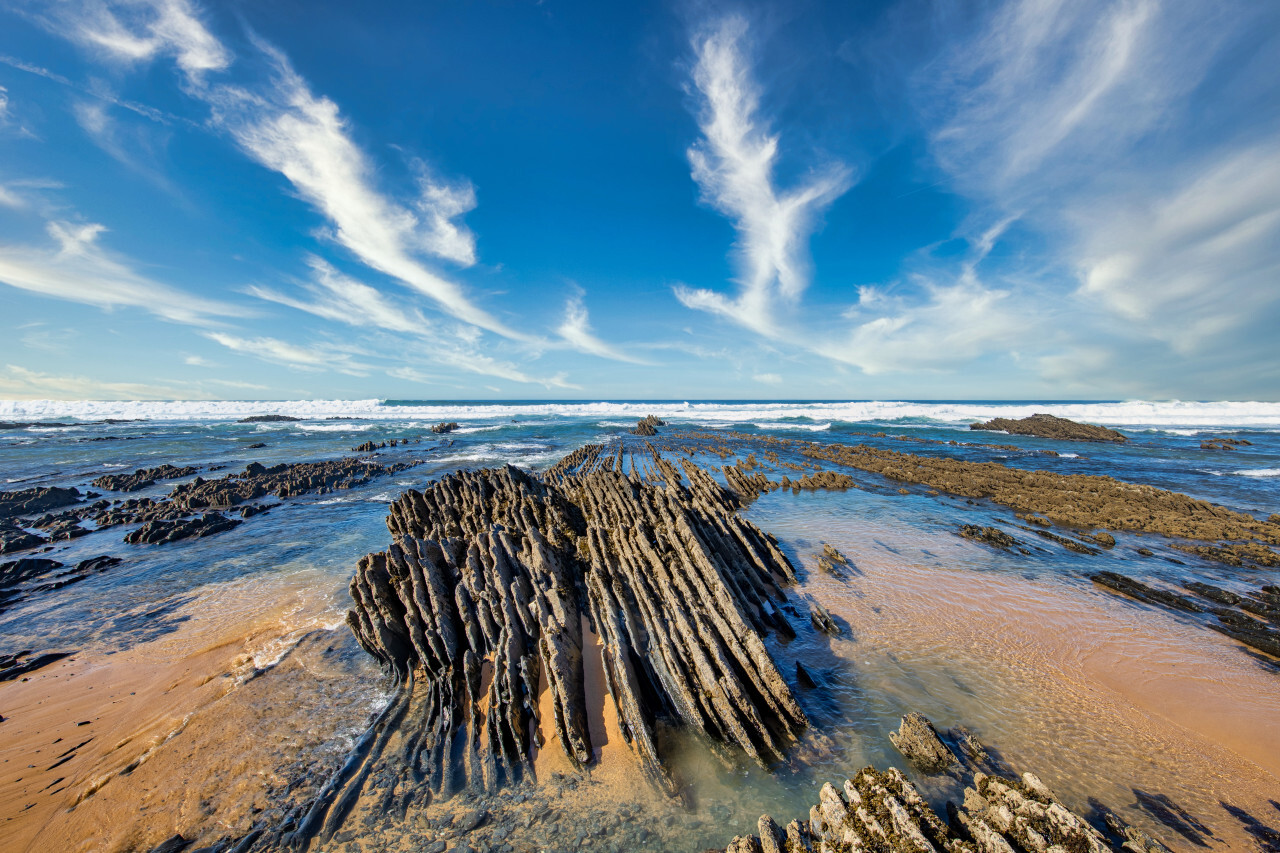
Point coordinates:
[(1168, 416), (810, 427), (1069, 455), (1259, 472)]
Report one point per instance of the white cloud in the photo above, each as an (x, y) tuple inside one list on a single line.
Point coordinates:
[(952, 325), (292, 355), (341, 298), (290, 130), (576, 331), (197, 361), (285, 127), (1190, 266), (80, 270), (141, 30), (8, 198), (768, 378), (733, 165)]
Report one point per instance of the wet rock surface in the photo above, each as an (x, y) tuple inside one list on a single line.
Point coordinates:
[(1050, 426), (141, 478), (1077, 500), (268, 419), (647, 426), (444, 427), (21, 579), (160, 532), (988, 535)]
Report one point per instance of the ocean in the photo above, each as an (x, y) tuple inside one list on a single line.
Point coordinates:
[(213, 673)]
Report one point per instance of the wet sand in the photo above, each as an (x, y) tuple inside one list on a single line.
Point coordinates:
[(182, 733)]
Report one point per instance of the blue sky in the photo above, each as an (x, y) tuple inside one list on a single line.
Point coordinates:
[(900, 200)]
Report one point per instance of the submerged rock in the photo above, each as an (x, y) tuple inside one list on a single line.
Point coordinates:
[(989, 535), (268, 419), (1050, 426)]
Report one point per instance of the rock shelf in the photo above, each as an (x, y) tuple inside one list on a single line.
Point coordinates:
[(1049, 426), (1076, 500)]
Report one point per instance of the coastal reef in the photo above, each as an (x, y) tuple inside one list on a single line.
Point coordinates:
[(1050, 426)]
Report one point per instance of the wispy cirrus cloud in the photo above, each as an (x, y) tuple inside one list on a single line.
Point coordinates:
[(576, 331), (300, 357), (338, 297), (733, 164), (284, 126), (140, 31), (1087, 118), (77, 268)]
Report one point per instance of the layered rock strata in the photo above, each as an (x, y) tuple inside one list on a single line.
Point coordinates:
[(498, 584), (1049, 426)]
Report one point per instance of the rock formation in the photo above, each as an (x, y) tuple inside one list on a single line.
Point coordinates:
[(1049, 426), (444, 427), (141, 478), (498, 582), (647, 426), (998, 813), (268, 419)]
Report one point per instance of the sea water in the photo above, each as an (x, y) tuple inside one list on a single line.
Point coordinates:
[(211, 674)]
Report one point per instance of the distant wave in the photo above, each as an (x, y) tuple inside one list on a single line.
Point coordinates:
[(781, 425), (1134, 415), (1259, 472)]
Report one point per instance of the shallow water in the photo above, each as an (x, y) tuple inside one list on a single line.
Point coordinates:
[(227, 670)]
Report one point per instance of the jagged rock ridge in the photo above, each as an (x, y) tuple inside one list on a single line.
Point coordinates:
[(497, 580)]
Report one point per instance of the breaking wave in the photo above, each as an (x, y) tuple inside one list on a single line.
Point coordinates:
[(1137, 415)]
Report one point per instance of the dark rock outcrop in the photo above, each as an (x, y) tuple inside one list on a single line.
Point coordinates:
[(989, 535), (13, 538), (1255, 621), (32, 501), (1049, 426), (497, 579), (444, 427), (141, 478), (160, 532), (647, 426), (12, 666), (21, 579), (268, 419)]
